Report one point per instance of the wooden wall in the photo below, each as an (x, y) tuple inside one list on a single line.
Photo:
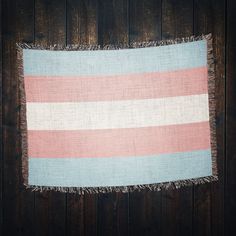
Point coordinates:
[(198, 210)]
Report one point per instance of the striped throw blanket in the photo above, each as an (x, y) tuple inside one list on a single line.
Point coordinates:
[(119, 119)]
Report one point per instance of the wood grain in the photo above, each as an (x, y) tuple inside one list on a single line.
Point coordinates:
[(11, 151), (1, 120), (200, 210), (230, 178)]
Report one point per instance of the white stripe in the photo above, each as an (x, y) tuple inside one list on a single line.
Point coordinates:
[(117, 114)]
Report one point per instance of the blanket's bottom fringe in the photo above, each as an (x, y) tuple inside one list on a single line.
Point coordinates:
[(125, 189)]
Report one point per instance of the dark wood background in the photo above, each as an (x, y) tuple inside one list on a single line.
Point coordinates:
[(197, 210)]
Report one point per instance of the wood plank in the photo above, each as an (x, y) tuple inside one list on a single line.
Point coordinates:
[(113, 214), (209, 17), (113, 22), (230, 185), (11, 151), (25, 33), (145, 206), (177, 21), (112, 29), (1, 137), (82, 29), (144, 20), (82, 21), (177, 211), (202, 210), (18, 203), (90, 214), (50, 29), (75, 214), (145, 213)]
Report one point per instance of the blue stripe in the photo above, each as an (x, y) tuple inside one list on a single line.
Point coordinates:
[(119, 171), (115, 62)]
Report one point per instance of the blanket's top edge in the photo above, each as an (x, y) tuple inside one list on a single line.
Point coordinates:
[(81, 47)]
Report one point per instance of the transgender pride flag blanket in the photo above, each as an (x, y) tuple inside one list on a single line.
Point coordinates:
[(118, 118)]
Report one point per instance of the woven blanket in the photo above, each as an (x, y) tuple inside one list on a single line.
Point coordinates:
[(118, 118)]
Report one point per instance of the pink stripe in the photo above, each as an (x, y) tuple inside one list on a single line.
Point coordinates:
[(119, 142), (125, 87)]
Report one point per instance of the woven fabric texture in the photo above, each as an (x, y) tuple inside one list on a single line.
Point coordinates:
[(119, 119)]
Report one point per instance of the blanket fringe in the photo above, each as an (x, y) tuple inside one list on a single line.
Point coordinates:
[(81, 47), (124, 189), (23, 120)]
